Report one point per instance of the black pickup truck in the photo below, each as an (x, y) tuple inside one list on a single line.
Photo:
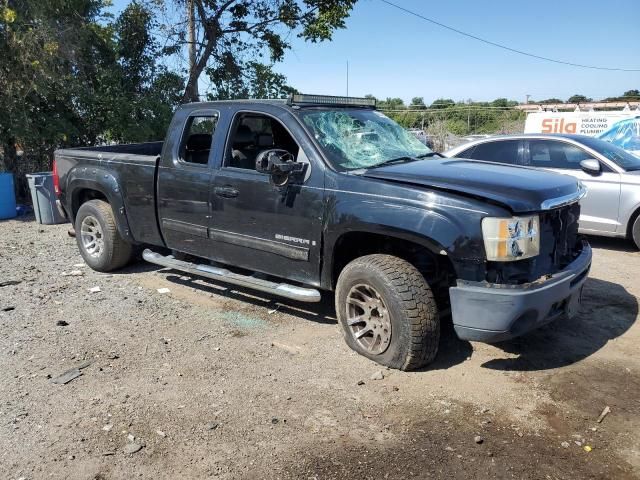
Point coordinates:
[(317, 193)]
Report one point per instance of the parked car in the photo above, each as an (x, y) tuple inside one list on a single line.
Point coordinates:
[(328, 194), (612, 175)]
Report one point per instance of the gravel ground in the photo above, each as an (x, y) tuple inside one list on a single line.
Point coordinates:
[(206, 381)]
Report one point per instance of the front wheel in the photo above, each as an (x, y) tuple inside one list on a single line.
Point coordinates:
[(635, 232), (99, 241), (387, 312)]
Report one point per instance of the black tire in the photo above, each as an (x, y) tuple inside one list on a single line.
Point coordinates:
[(116, 251), (408, 301), (635, 232)]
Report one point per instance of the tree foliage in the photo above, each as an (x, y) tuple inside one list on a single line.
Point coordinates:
[(417, 103), (442, 103), (71, 75), (391, 104), (550, 100), (458, 118), (236, 35), (255, 80), (628, 96), (578, 99)]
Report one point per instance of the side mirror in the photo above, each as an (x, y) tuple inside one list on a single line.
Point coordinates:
[(591, 166), (281, 166)]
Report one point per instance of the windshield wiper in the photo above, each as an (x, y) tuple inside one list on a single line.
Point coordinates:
[(404, 159)]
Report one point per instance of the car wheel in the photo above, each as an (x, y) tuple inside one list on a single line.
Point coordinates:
[(635, 232), (387, 312), (99, 241)]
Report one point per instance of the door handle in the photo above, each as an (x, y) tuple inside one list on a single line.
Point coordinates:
[(226, 192)]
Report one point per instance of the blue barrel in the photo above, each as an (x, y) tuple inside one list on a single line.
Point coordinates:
[(7, 196)]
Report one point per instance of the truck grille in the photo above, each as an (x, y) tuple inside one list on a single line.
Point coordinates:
[(559, 246)]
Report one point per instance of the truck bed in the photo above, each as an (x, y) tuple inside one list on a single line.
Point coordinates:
[(152, 149), (134, 166)]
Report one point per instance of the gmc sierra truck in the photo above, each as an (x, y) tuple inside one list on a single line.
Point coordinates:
[(314, 193)]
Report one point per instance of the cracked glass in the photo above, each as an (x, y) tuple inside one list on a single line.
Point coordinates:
[(358, 138)]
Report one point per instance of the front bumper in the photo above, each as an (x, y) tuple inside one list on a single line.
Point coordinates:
[(491, 312)]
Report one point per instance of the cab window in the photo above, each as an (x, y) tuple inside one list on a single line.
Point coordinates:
[(196, 140)]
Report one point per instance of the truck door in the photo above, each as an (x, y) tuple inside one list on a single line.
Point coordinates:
[(258, 225), (184, 179)]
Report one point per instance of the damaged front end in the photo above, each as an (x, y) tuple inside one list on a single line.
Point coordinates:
[(560, 244), (519, 296)]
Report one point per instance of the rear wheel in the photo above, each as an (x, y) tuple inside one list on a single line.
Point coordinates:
[(99, 241), (387, 312)]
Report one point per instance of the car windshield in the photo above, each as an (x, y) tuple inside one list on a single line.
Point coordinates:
[(357, 138), (621, 157)]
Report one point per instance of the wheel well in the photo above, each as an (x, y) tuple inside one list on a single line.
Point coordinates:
[(436, 269), (83, 196), (632, 220)]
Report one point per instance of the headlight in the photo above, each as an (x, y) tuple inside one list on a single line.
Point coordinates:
[(509, 239)]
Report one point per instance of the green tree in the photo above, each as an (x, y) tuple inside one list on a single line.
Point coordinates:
[(578, 99), (255, 80), (417, 103), (550, 100), (72, 76), (442, 103), (503, 102), (53, 53), (391, 104), (235, 33), (148, 92)]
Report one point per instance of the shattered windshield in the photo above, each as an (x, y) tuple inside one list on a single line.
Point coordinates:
[(354, 139)]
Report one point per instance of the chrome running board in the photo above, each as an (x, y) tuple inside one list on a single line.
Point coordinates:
[(286, 290)]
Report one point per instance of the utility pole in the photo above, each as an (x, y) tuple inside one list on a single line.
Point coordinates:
[(191, 33), (347, 78)]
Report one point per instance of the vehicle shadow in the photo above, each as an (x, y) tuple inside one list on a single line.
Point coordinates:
[(321, 312), (137, 267), (608, 311), (608, 243), (452, 351)]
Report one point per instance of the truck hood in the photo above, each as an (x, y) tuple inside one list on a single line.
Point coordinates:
[(520, 189)]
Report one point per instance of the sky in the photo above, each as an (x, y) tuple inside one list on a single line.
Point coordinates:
[(393, 54)]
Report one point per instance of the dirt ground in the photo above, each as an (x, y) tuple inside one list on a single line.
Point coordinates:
[(211, 382)]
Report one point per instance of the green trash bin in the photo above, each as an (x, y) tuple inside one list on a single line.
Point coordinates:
[(43, 197)]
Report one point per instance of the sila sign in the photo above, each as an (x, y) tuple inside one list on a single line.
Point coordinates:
[(558, 125), (582, 123)]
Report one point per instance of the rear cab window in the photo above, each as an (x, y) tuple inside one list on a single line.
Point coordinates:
[(197, 138)]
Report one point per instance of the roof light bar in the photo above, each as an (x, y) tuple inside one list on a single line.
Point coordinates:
[(304, 99)]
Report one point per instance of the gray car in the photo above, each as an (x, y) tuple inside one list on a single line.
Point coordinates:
[(611, 174)]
